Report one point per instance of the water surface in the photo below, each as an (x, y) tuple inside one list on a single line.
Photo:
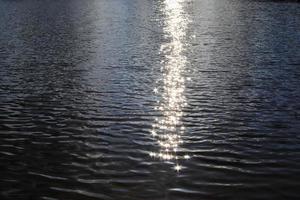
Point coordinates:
[(141, 99)]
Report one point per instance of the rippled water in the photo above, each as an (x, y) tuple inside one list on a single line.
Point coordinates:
[(144, 99)]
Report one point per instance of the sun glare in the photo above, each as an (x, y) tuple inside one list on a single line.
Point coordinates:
[(168, 129)]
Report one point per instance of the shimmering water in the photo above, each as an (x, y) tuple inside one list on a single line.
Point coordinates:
[(149, 99)]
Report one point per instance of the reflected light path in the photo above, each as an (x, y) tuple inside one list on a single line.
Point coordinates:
[(168, 128)]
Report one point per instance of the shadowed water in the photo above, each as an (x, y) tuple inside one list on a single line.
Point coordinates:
[(144, 99)]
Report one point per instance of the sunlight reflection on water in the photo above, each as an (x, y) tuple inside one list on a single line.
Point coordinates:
[(168, 129)]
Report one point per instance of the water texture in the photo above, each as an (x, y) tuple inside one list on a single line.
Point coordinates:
[(149, 99)]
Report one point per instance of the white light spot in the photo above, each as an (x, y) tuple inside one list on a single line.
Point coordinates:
[(178, 168)]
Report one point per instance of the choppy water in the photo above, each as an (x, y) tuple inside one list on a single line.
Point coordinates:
[(144, 99)]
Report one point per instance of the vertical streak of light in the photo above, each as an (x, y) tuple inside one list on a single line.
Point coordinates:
[(168, 129)]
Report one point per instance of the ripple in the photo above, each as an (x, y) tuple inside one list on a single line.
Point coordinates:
[(82, 193)]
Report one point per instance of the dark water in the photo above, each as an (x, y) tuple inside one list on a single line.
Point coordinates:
[(144, 99)]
